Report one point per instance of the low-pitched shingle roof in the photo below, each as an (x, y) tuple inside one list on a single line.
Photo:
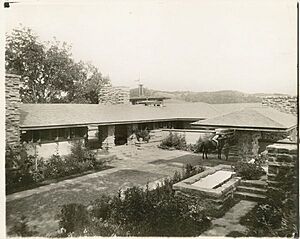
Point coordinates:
[(47, 115), (259, 117)]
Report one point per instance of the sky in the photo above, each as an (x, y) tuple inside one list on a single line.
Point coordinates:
[(210, 45)]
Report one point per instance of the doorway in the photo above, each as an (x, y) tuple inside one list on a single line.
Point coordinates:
[(121, 134)]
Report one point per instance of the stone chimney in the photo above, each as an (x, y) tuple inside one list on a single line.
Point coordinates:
[(12, 109), (114, 95)]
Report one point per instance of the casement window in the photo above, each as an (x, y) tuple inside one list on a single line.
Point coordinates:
[(53, 135), (63, 134)]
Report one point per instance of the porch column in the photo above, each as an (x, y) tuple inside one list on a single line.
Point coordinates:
[(110, 140), (248, 145)]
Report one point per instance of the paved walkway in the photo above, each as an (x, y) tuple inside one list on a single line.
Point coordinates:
[(230, 221)]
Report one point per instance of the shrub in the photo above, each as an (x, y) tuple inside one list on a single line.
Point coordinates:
[(174, 141), (21, 168), (249, 171), (72, 218), (22, 229), (101, 207), (197, 147), (191, 170), (144, 134)]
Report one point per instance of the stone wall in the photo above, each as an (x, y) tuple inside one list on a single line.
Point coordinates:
[(287, 104), (247, 144), (282, 157), (109, 94), (12, 109)]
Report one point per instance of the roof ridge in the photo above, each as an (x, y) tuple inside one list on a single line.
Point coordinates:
[(269, 117)]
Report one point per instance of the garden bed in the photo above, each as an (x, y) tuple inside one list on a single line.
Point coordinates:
[(49, 181)]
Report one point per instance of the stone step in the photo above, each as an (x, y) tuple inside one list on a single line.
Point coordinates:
[(255, 190), (250, 196), (253, 183)]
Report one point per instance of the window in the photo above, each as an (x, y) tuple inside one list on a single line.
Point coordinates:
[(63, 134), (26, 136), (77, 132), (52, 135), (48, 135), (35, 136)]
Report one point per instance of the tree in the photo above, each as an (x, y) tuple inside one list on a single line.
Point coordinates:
[(48, 72), (86, 88)]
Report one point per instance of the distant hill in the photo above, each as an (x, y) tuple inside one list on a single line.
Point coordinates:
[(214, 97)]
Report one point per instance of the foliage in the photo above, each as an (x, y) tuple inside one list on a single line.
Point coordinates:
[(176, 141), (197, 148), (86, 87), (190, 170), (23, 170), (80, 160), (73, 217), (144, 134), (22, 229), (138, 212), (277, 215), (249, 171), (48, 72)]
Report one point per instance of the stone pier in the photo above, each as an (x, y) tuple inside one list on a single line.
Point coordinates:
[(12, 109), (282, 157)]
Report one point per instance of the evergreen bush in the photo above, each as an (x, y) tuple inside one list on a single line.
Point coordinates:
[(175, 141), (143, 134), (249, 171)]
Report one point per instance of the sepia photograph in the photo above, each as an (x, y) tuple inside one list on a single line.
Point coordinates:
[(150, 118)]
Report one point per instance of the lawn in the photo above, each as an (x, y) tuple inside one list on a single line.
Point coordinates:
[(40, 209)]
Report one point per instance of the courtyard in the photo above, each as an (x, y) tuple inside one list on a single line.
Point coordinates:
[(133, 167)]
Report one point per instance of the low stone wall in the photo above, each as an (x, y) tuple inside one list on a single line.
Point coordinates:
[(281, 157)]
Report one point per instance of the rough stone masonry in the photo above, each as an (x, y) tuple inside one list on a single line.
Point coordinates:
[(282, 157), (12, 109)]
